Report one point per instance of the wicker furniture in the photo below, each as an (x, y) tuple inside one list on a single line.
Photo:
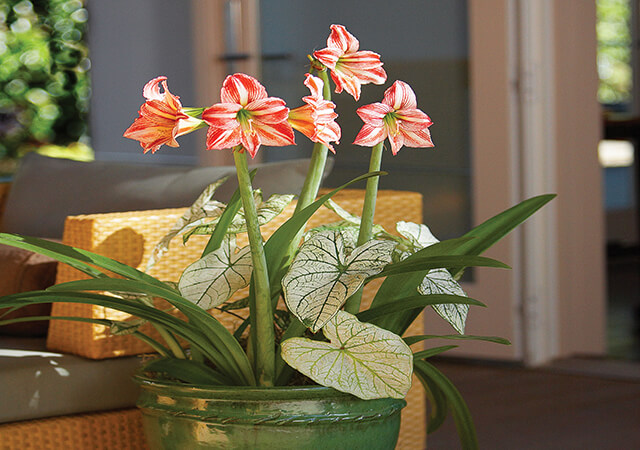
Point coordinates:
[(129, 238)]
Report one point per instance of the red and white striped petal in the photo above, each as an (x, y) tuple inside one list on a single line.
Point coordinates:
[(345, 82), (373, 114), (328, 56), (417, 139), (400, 96), (251, 142), (242, 89), (222, 115), (413, 119), (315, 85), (151, 90), (396, 141), (362, 60), (221, 139), (370, 136), (326, 134), (341, 39), (276, 135), (268, 110)]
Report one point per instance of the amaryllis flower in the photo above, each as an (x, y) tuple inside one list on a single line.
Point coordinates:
[(350, 68), (161, 119), (247, 116), (316, 119), (396, 118)]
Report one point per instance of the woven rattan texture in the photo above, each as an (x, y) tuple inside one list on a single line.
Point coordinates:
[(120, 429), (129, 238)]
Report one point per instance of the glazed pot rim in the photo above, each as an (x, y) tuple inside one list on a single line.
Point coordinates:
[(308, 392)]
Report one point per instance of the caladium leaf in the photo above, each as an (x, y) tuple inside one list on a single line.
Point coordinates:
[(440, 281), (437, 281), (267, 211), (325, 274), (203, 208), (352, 219), (361, 359), (213, 279)]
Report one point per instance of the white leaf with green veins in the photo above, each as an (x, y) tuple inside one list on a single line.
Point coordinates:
[(267, 211), (361, 359), (203, 208), (324, 274), (212, 280), (418, 234), (440, 281), (353, 219)]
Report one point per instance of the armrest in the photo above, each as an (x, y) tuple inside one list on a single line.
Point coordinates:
[(4, 193)]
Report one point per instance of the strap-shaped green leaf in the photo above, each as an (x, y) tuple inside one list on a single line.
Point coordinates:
[(361, 359), (459, 409), (186, 370), (323, 275), (213, 279), (203, 208), (410, 340)]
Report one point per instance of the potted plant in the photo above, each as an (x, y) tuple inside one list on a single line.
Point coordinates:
[(310, 367)]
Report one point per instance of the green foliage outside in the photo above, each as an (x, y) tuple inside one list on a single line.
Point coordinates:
[(44, 80), (614, 51)]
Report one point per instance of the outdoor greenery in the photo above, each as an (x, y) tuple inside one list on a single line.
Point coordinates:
[(44, 80), (614, 51)]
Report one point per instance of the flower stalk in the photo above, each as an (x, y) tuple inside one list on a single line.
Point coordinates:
[(368, 211), (261, 310)]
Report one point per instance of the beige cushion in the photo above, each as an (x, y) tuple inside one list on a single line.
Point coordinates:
[(46, 190)]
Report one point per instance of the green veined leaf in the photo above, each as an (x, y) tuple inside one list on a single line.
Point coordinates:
[(459, 409), (213, 279), (419, 235), (203, 208), (361, 359), (440, 281), (323, 276)]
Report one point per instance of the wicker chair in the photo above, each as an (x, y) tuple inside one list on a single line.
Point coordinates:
[(129, 238)]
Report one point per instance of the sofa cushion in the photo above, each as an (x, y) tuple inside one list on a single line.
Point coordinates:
[(22, 271), (36, 383), (47, 190)]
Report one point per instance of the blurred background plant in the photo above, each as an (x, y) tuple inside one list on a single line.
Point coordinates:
[(44, 79)]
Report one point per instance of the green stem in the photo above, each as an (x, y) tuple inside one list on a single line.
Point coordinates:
[(318, 159), (262, 332), (366, 224)]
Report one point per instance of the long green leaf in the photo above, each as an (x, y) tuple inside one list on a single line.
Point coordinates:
[(186, 370), (415, 302), (179, 327), (225, 220), (459, 409), (438, 405), (158, 347), (211, 327), (426, 263), (77, 258), (410, 340), (474, 242), (431, 352)]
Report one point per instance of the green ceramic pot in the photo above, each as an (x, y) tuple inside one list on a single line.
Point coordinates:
[(313, 417)]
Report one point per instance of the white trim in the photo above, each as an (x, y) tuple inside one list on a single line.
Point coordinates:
[(539, 295)]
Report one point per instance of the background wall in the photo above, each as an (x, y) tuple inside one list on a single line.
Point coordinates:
[(128, 47)]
